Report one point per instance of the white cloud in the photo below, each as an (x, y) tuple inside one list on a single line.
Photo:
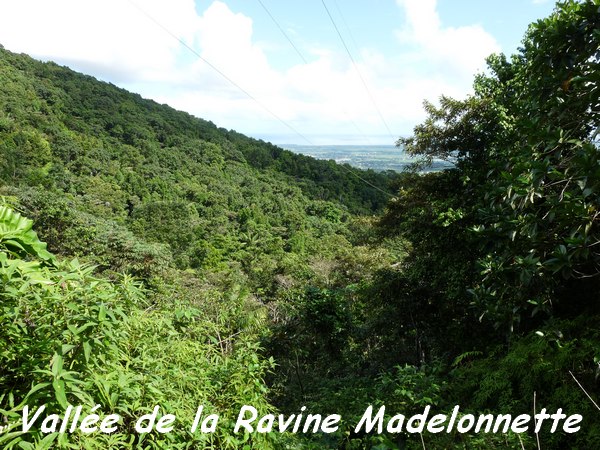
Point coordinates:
[(109, 35), (114, 40), (460, 51)]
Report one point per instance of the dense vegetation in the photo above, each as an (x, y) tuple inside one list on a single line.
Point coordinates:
[(173, 240), (179, 264)]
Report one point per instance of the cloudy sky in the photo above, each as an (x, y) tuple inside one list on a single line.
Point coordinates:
[(278, 69)]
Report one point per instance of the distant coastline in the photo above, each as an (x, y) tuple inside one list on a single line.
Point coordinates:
[(375, 157)]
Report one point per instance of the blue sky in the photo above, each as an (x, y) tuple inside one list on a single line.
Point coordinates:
[(404, 51)]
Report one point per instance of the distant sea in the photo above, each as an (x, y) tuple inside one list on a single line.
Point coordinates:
[(376, 157)]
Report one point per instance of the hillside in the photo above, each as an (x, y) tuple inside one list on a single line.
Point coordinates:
[(208, 194), (67, 107), (215, 228)]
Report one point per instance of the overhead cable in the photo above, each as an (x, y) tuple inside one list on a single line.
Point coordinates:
[(283, 32), (220, 72), (216, 69), (358, 71)]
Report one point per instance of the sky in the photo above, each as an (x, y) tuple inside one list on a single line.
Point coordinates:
[(304, 72)]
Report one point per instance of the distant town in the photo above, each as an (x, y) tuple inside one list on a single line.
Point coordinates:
[(375, 157)]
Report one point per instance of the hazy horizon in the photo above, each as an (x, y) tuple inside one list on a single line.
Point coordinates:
[(282, 140), (378, 157)]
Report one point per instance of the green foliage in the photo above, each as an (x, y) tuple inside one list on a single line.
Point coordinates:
[(17, 237), (106, 163), (68, 337), (527, 158), (538, 215), (458, 131), (538, 365), (70, 231), (505, 244)]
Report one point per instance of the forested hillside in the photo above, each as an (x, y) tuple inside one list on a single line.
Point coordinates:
[(148, 257), (194, 232)]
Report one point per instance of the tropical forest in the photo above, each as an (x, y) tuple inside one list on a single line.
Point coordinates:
[(150, 258)]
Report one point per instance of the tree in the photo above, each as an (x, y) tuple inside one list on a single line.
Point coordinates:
[(526, 148), (539, 219)]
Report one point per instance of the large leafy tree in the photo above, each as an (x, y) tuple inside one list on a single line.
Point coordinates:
[(525, 144), (539, 215), (506, 245)]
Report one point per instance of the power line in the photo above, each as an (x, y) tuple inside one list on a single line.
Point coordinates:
[(337, 6), (216, 69), (306, 62), (365, 181), (283, 32), (357, 71)]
